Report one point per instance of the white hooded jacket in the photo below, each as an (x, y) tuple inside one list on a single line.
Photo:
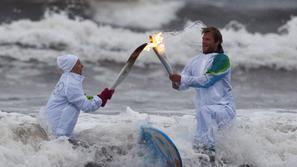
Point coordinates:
[(65, 104)]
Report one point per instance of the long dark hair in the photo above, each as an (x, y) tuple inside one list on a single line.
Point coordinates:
[(217, 36)]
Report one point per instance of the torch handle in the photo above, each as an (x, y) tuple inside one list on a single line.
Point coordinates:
[(164, 61), (122, 75), (128, 66)]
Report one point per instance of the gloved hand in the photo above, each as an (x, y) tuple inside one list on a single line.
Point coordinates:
[(176, 79), (175, 85), (105, 95)]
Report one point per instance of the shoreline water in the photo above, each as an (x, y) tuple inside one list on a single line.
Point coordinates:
[(252, 88)]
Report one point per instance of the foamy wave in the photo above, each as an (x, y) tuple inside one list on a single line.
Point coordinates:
[(247, 50), (56, 34), (258, 138), (252, 50), (22, 142), (264, 4), (141, 14)]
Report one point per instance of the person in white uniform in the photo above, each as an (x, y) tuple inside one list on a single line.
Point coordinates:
[(68, 99), (209, 74)]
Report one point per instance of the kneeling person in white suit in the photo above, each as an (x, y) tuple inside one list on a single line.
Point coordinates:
[(210, 75), (67, 100)]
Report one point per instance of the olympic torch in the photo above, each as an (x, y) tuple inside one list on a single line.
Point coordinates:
[(156, 43)]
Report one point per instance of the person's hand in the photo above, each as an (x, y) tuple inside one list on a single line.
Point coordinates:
[(175, 85), (105, 95), (176, 79)]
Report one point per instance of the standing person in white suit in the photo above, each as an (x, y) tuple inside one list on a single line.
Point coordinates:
[(209, 74), (68, 99)]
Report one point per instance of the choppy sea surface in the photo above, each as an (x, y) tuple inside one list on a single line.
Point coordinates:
[(259, 37)]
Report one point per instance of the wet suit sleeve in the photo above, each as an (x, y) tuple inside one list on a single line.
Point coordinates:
[(76, 97), (219, 68)]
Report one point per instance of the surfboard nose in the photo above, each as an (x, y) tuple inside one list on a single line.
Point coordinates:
[(161, 146)]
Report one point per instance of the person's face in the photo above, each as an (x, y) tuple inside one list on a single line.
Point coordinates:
[(78, 67), (208, 43)]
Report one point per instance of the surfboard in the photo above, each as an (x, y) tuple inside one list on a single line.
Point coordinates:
[(161, 146)]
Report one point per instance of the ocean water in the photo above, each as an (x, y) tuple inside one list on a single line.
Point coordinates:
[(259, 37)]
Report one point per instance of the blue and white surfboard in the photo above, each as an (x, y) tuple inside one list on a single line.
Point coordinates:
[(161, 146)]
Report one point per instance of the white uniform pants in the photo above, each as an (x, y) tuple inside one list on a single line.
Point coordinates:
[(210, 118)]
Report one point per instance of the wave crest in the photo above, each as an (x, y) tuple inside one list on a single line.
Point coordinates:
[(56, 34)]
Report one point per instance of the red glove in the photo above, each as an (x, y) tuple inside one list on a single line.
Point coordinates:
[(176, 79), (105, 95)]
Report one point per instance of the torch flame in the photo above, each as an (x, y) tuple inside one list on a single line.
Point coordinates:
[(156, 41)]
